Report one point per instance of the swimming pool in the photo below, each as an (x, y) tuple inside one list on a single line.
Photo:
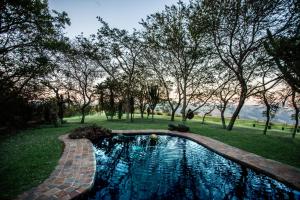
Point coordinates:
[(138, 167)]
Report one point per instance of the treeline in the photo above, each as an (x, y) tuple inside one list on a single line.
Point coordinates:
[(202, 54)]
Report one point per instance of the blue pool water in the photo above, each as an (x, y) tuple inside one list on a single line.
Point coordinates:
[(136, 167)]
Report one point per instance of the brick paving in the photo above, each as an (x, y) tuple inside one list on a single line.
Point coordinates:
[(73, 175), (75, 172)]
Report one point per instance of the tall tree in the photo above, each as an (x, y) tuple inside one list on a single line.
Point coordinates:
[(284, 47), (225, 95), (296, 104), (28, 29), (125, 49), (111, 97), (167, 77), (269, 97), (81, 73), (286, 54), (238, 30), (173, 32), (29, 32), (153, 92), (56, 85), (207, 111)]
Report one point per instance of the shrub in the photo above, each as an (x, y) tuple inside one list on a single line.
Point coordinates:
[(190, 114), (180, 128), (172, 127), (93, 133)]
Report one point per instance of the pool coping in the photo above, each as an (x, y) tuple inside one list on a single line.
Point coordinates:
[(73, 176), (75, 173), (282, 172)]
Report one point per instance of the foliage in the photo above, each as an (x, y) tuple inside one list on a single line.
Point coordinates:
[(81, 72), (153, 92), (93, 133), (125, 50), (285, 51), (178, 55), (237, 29), (190, 114), (15, 111), (180, 128), (111, 97), (29, 34)]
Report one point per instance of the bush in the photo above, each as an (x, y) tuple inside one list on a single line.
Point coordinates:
[(93, 133), (180, 128), (190, 114), (172, 127)]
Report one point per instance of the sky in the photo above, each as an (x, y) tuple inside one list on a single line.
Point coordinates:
[(122, 14)]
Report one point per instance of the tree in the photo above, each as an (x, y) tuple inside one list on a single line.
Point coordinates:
[(225, 94), (125, 50), (111, 97), (144, 78), (268, 96), (286, 54), (153, 92), (29, 32), (142, 99), (56, 85), (285, 47), (208, 110), (131, 108), (237, 30), (167, 76), (291, 97), (172, 33), (81, 73), (296, 104)]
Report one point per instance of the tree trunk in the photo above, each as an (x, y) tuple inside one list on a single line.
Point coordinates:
[(243, 97), (82, 115), (131, 117), (173, 115), (297, 110), (61, 113), (184, 103), (268, 119), (268, 110), (152, 113), (142, 111), (127, 110), (296, 123), (203, 118), (223, 118)]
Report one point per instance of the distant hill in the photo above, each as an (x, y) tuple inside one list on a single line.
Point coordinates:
[(253, 112)]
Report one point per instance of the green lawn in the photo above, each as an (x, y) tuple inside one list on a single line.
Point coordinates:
[(27, 158)]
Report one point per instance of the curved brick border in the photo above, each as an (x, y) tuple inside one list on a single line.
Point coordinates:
[(282, 172), (73, 175)]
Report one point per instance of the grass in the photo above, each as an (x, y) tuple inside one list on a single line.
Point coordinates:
[(28, 158)]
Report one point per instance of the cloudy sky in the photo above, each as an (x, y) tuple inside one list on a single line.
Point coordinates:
[(123, 14)]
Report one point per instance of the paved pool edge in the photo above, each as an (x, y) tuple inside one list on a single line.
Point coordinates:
[(74, 175), (282, 172)]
